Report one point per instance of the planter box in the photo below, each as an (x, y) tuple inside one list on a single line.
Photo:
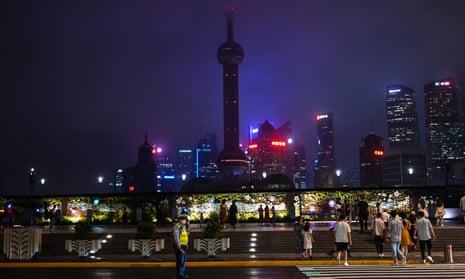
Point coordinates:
[(83, 247), (22, 244), (146, 246), (211, 245)]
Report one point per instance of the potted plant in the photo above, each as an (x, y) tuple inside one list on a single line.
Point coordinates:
[(212, 237), (84, 240), (147, 239)]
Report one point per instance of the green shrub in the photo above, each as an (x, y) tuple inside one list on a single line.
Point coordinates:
[(212, 227), (83, 230), (147, 230)]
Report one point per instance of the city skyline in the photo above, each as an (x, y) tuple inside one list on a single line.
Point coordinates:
[(84, 81)]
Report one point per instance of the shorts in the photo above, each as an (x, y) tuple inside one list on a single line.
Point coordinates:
[(341, 246)]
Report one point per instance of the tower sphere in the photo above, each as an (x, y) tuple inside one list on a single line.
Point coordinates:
[(230, 52)]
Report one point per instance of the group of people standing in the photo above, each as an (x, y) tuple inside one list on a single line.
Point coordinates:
[(228, 215), (264, 215)]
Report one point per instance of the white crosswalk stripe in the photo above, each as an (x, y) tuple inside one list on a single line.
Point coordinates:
[(383, 271)]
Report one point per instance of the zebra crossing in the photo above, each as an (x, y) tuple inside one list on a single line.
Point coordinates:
[(383, 271)]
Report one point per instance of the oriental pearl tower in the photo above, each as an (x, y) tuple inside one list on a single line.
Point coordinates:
[(232, 160)]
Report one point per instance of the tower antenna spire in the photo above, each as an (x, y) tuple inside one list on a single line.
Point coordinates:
[(230, 16)]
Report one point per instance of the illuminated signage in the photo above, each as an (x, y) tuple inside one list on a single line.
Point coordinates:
[(278, 143), (442, 83), (391, 91), (321, 116)]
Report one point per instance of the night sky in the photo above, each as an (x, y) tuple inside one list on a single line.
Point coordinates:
[(81, 81)]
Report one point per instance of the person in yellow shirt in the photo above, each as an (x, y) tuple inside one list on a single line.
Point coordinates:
[(181, 244)]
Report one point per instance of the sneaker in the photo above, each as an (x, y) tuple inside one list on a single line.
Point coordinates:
[(430, 259), (424, 261), (404, 260), (346, 264), (338, 260)]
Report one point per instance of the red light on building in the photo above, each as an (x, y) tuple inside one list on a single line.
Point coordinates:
[(132, 188), (378, 152), (253, 146), (278, 143)]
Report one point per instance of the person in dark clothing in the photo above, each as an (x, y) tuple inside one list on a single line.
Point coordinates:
[(413, 218), (299, 240), (362, 212), (233, 214)]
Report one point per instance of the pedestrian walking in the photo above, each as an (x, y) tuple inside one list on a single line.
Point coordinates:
[(267, 214), (308, 240), (422, 206), (395, 228), (405, 240), (273, 215), (462, 208), (343, 239), (439, 213), (181, 243), (223, 214), (379, 229), (362, 213), (386, 217), (426, 236), (233, 214), (413, 218), (297, 229), (260, 215)]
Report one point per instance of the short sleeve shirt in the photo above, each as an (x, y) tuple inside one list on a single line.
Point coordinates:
[(342, 229)]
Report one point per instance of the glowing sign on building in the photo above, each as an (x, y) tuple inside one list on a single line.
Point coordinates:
[(278, 143), (442, 83), (321, 116), (392, 91), (253, 146)]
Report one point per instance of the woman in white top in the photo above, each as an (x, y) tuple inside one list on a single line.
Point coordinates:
[(422, 206)]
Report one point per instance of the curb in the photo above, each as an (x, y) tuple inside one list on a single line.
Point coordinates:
[(263, 263)]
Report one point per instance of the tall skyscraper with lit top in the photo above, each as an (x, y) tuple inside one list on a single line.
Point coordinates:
[(232, 160), (445, 130), (402, 118), (404, 163), (325, 163)]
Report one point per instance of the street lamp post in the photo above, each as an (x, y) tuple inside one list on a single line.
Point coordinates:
[(32, 181)]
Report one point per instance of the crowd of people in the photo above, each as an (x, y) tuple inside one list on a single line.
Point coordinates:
[(398, 229), (401, 231)]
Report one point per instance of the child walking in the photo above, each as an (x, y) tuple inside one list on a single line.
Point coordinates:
[(308, 240)]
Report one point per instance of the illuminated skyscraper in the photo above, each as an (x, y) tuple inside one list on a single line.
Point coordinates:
[(232, 160), (445, 130), (402, 119), (404, 163), (275, 152), (206, 154), (325, 163)]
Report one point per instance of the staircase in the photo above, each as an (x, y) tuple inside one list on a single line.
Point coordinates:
[(266, 242)]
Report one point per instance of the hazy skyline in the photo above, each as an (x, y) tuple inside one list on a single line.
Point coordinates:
[(84, 80)]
